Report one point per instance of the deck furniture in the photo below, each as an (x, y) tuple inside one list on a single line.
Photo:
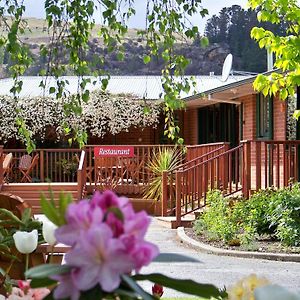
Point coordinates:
[(26, 166), (7, 166)]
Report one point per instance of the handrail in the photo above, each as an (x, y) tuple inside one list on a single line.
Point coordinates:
[(81, 175), (182, 166), (208, 145), (229, 171), (213, 158)]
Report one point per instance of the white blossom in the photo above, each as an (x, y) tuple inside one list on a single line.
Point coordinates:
[(103, 113)]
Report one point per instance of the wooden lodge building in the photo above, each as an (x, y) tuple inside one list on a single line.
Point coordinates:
[(239, 141)]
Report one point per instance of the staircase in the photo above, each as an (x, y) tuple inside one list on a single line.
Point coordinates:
[(31, 192)]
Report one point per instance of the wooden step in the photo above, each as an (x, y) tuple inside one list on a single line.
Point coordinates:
[(40, 187), (31, 192)]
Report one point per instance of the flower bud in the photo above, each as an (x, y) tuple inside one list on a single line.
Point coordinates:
[(157, 290), (48, 232), (26, 242)]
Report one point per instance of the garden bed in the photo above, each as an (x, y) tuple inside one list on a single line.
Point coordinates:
[(264, 244)]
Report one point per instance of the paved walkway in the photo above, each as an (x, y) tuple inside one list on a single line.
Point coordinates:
[(218, 270)]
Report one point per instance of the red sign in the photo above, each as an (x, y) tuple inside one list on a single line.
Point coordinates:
[(114, 151)]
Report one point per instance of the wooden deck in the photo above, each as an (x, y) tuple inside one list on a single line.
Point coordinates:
[(249, 166)]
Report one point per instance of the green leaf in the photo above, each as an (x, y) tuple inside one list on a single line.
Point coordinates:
[(147, 59), (135, 287), (122, 292), (4, 213), (50, 211), (52, 90), (42, 282), (204, 42), (116, 211), (64, 201), (49, 297), (26, 215), (186, 286), (92, 294), (120, 56), (44, 271), (296, 114), (174, 257)]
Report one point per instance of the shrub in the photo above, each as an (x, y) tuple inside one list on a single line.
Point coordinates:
[(284, 214), (272, 212), (216, 219)]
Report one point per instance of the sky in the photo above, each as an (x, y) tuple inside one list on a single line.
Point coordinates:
[(35, 8)]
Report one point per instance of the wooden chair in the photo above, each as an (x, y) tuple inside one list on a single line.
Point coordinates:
[(105, 172), (7, 166), (26, 166)]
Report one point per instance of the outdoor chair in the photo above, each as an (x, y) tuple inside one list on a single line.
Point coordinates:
[(7, 166), (27, 165), (106, 171)]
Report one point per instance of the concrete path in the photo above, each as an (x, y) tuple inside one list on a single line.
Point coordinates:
[(218, 270)]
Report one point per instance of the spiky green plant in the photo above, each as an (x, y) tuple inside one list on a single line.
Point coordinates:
[(162, 160)]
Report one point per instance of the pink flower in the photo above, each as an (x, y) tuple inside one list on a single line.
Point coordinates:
[(108, 199), (107, 239), (137, 225), (100, 259), (25, 292), (24, 285), (79, 217), (66, 287), (143, 254)]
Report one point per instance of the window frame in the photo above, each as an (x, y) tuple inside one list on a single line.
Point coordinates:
[(264, 132)]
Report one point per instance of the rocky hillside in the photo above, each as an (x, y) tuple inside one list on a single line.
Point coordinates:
[(203, 60)]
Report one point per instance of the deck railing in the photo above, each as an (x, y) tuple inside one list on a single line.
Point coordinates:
[(228, 171), (276, 163), (196, 151), (169, 187), (126, 175), (55, 165)]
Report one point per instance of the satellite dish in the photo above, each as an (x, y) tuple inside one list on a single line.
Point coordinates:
[(227, 65)]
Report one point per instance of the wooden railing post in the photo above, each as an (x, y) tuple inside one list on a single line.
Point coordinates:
[(81, 179), (42, 166), (258, 165), (79, 184), (178, 197), (164, 198), (246, 169), (1, 167)]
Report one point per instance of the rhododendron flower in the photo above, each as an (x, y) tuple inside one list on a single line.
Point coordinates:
[(79, 218), (100, 258), (107, 239), (66, 288)]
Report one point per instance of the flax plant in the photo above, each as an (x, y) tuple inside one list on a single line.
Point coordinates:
[(162, 160)]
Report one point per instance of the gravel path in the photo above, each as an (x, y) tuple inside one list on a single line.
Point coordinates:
[(218, 270)]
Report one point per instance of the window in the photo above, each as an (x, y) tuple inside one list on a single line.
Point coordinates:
[(264, 117)]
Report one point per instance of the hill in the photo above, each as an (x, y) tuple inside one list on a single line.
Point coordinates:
[(203, 60)]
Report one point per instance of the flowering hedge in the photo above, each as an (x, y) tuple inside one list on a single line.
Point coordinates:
[(103, 113)]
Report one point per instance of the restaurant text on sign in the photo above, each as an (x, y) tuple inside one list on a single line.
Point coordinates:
[(114, 151)]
